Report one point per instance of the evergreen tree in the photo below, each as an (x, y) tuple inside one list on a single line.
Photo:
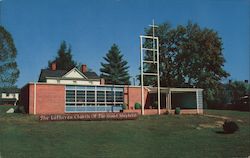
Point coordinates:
[(9, 71), (64, 59), (115, 70)]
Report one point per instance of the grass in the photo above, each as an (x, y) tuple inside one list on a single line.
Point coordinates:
[(24, 136)]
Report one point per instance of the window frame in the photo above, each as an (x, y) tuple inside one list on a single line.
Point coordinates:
[(95, 102)]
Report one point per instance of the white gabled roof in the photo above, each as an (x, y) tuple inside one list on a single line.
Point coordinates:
[(74, 73)]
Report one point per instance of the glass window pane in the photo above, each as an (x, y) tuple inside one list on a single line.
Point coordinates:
[(100, 104), (90, 104), (70, 96), (70, 87), (90, 96), (79, 104), (118, 96), (82, 88), (90, 88), (110, 96), (100, 96), (118, 89), (80, 96), (100, 88), (70, 104)]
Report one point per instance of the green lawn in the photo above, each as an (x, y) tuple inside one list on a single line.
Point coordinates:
[(150, 136)]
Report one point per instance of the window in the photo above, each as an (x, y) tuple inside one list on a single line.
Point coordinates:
[(93, 98), (80, 96), (100, 96), (118, 96), (70, 96), (90, 96), (110, 96), (70, 104)]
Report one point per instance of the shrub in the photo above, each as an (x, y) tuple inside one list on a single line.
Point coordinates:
[(177, 110), (124, 106), (230, 127), (155, 105), (137, 105), (20, 109)]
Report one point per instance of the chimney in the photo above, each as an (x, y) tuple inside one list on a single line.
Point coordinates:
[(102, 81), (53, 66), (84, 68)]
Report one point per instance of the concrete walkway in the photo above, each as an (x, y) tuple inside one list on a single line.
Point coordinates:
[(216, 116)]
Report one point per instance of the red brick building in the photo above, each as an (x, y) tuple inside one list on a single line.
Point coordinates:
[(76, 91)]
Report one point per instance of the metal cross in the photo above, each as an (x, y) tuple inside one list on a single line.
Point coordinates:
[(153, 28)]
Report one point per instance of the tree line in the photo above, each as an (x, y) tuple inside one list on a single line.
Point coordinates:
[(190, 56), (114, 70)]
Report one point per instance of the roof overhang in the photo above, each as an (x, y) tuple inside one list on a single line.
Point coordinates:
[(72, 79), (167, 90)]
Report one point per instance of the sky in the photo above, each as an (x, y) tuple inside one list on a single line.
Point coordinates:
[(92, 26)]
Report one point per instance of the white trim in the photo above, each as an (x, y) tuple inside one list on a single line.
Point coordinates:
[(75, 69), (95, 96), (106, 85), (157, 74), (67, 78), (184, 89), (34, 108), (197, 101), (150, 37), (65, 99), (170, 100), (142, 82)]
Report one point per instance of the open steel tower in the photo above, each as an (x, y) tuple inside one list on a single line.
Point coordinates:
[(154, 49)]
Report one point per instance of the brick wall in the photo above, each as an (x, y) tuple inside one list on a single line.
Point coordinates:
[(133, 95), (24, 98), (148, 111), (50, 99), (164, 111)]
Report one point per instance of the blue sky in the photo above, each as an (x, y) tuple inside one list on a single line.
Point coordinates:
[(92, 26)]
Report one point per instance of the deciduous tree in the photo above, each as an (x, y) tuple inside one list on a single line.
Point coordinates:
[(9, 71), (190, 56)]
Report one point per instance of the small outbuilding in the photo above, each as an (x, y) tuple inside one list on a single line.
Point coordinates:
[(189, 100), (9, 96)]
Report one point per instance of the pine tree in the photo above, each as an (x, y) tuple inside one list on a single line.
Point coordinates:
[(64, 59), (9, 71), (115, 70)]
